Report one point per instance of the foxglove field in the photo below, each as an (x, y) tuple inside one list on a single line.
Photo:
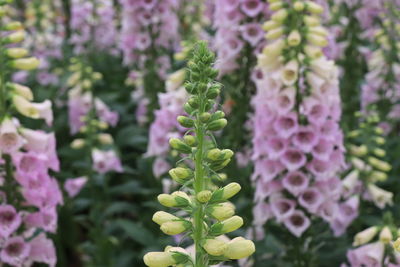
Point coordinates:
[(196, 133)]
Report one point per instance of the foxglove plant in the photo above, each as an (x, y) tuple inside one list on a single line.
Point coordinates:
[(29, 195), (45, 23), (368, 167), (381, 86), (149, 33), (93, 25), (297, 142), (208, 215)]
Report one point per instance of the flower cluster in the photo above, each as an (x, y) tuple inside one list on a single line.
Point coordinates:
[(89, 115), (368, 168), (93, 25), (375, 253), (29, 195), (237, 25), (297, 143), (381, 85), (206, 213), (44, 20)]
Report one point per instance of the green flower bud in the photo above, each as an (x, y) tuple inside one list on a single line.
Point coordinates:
[(379, 152), (16, 52), (214, 247), (204, 196), (202, 87), (190, 140), (385, 236), (159, 259), (161, 217), (217, 115), (175, 227), (190, 87), (180, 146), (220, 165), (380, 140), (205, 117), (358, 151), (187, 108), (379, 164), (298, 6), (21, 90), (214, 154), (209, 105), (227, 153), (222, 211), (212, 93), (227, 226), (194, 102), (185, 121), (15, 37), (29, 63), (378, 176), (239, 248), (13, 26), (378, 130), (180, 174), (217, 125), (354, 133)]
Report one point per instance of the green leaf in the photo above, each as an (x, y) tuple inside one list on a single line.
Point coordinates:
[(136, 232)]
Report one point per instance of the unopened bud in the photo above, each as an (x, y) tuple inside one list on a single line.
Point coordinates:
[(214, 247), (180, 146), (25, 107), (29, 63), (78, 143), (190, 140), (185, 121), (275, 6), (204, 196), (161, 217), (13, 26), (311, 21), (380, 140), (21, 90), (298, 6), (15, 37), (180, 174), (227, 226), (385, 236), (239, 248), (294, 38), (205, 117), (379, 164), (317, 40), (175, 227), (275, 33), (358, 151), (16, 52), (365, 236), (379, 152), (280, 15), (217, 125), (270, 25), (222, 211), (314, 7), (378, 176)]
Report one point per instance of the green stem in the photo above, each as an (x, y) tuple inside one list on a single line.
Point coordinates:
[(199, 185)]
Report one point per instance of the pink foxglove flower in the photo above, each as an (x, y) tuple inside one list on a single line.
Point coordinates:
[(296, 134), (10, 220), (74, 185), (15, 251)]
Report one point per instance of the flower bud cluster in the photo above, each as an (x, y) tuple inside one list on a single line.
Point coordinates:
[(207, 214), (375, 245), (44, 22), (365, 146), (297, 142), (29, 196), (90, 116)]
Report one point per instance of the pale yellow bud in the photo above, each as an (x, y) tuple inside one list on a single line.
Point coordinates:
[(379, 152), (15, 37), (358, 150), (161, 217), (365, 236), (25, 107), (294, 38), (313, 51), (317, 40), (385, 235), (274, 49), (275, 6), (22, 90), (298, 6), (231, 224), (378, 176), (396, 245), (222, 211), (318, 30), (379, 164), (159, 259), (13, 26), (78, 143), (280, 16), (314, 7), (214, 247), (380, 140), (239, 248), (176, 199), (175, 227), (105, 139), (230, 190), (311, 21), (380, 197), (29, 63), (270, 25), (274, 34), (17, 52)]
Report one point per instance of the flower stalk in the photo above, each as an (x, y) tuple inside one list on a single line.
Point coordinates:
[(207, 214)]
